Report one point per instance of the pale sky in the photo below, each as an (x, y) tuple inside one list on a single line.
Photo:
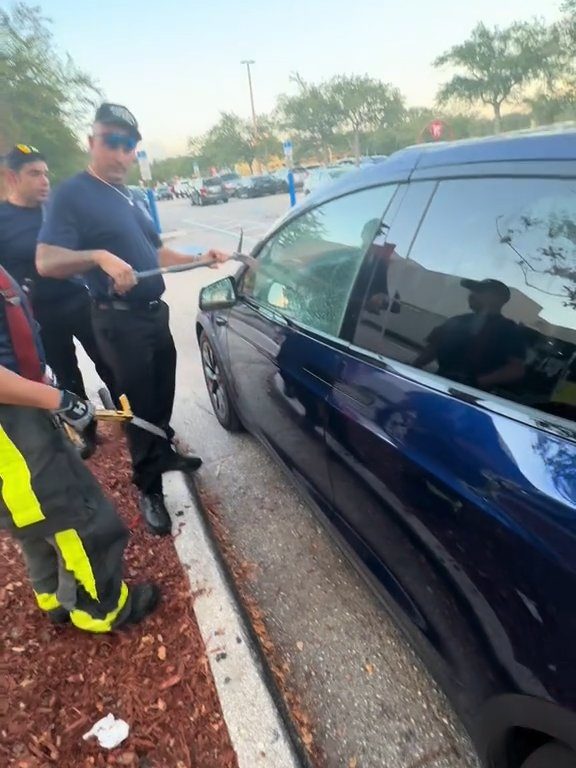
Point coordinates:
[(177, 64)]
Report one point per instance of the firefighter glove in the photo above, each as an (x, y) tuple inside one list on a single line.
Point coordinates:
[(75, 411)]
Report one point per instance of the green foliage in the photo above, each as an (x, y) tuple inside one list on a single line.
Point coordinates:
[(494, 64), (364, 105), (43, 96), (312, 114), (228, 142)]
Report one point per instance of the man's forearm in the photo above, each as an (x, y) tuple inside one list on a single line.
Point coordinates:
[(16, 390), (61, 263)]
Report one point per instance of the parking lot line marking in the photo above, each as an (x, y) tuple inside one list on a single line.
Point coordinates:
[(229, 232)]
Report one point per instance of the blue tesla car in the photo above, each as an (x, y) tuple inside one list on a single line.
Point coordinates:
[(405, 345)]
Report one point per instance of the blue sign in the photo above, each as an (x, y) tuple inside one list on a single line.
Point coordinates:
[(287, 147)]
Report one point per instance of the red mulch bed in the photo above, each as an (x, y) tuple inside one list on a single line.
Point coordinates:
[(56, 682)]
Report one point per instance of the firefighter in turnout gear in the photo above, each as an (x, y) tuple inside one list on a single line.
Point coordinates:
[(71, 536)]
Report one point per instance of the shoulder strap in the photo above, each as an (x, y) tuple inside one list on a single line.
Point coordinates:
[(19, 320)]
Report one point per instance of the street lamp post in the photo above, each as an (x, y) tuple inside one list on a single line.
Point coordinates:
[(248, 63)]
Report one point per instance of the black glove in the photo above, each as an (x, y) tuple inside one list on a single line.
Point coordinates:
[(74, 411)]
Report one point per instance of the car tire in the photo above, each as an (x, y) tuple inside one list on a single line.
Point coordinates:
[(553, 755), (217, 387)]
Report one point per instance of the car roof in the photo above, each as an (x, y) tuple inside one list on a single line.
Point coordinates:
[(555, 143)]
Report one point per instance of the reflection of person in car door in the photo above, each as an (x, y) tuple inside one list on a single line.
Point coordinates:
[(374, 238), (481, 348)]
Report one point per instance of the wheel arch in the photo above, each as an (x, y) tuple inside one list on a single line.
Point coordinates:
[(514, 726)]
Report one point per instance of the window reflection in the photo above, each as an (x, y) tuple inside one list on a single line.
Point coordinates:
[(308, 269), (486, 294)]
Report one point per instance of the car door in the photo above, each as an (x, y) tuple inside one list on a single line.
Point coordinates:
[(457, 483), (283, 345)]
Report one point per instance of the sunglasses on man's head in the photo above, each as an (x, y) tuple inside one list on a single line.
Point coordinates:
[(118, 141), (26, 149)]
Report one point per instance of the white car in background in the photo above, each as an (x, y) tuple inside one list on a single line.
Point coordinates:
[(323, 176), (183, 188)]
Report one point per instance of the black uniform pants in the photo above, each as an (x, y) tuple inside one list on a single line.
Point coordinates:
[(60, 322), (71, 536), (137, 345)]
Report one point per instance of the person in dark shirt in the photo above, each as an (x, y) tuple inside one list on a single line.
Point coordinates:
[(92, 227), (62, 307), (482, 348)]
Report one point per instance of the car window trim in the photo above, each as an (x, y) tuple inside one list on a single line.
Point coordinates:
[(280, 319), (352, 314)]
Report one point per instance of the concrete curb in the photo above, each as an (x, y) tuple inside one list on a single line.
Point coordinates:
[(257, 730)]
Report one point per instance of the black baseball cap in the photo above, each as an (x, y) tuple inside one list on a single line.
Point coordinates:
[(116, 114), (488, 286), (22, 154)]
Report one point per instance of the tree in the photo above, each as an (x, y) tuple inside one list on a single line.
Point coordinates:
[(496, 63), (266, 143), (364, 104), (228, 142), (311, 114), (43, 97), (554, 98)]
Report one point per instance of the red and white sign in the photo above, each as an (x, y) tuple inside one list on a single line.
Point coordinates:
[(436, 129)]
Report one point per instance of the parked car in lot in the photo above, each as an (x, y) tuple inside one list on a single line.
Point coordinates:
[(281, 176), (183, 188), (163, 192), (140, 197), (322, 176), (230, 182), (364, 160), (256, 186), (208, 190), (405, 344)]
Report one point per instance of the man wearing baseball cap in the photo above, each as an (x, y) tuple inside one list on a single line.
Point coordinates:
[(94, 228), (482, 348), (62, 307)]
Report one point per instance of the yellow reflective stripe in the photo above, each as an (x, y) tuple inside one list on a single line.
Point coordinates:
[(17, 492), (76, 560), (84, 621), (46, 601)]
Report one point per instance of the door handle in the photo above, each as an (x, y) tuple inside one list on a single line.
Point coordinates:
[(219, 320)]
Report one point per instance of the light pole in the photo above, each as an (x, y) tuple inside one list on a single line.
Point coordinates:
[(248, 63)]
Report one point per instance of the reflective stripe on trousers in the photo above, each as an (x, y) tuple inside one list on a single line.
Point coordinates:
[(17, 491)]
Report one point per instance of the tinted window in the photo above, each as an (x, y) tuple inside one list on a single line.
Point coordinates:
[(308, 269), (487, 293), (213, 181)]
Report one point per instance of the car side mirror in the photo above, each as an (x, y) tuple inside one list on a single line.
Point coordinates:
[(219, 295)]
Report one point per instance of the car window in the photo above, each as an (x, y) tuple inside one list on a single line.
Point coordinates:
[(486, 294), (213, 181), (308, 268)]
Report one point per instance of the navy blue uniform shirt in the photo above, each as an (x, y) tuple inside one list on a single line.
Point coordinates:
[(19, 227), (85, 214)]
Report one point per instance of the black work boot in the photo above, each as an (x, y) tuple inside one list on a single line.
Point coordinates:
[(144, 599), (58, 615), (90, 441), (155, 513), (178, 463)]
